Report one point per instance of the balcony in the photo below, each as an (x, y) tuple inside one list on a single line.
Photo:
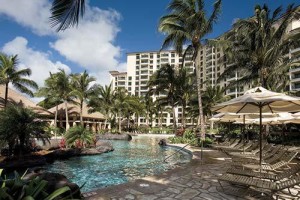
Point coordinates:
[(295, 70), (295, 79), (230, 79), (295, 50)]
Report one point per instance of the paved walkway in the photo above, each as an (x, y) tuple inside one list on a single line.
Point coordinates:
[(194, 181)]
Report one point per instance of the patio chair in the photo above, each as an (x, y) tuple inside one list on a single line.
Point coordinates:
[(239, 147), (269, 187)]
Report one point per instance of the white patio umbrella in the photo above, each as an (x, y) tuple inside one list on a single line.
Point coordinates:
[(260, 100)]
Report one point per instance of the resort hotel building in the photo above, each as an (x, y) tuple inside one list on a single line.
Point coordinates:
[(141, 65)]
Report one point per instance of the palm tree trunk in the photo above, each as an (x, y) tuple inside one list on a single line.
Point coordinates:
[(105, 122), (81, 120), (6, 95), (183, 115), (119, 122), (202, 122), (67, 116), (55, 121), (161, 120), (174, 119)]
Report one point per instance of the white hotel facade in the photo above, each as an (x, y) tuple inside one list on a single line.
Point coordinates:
[(141, 65)]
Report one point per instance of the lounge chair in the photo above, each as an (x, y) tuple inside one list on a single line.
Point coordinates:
[(294, 169), (268, 186), (283, 160), (269, 157), (253, 153), (227, 144)]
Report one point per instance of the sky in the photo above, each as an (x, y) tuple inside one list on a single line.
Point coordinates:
[(109, 30)]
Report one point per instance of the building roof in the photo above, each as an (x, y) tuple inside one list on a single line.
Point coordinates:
[(17, 98), (74, 109)]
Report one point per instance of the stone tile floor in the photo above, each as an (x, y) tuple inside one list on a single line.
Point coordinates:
[(197, 180)]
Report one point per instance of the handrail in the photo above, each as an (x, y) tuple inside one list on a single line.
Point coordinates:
[(179, 150)]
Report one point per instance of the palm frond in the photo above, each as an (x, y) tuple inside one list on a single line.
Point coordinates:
[(66, 13)]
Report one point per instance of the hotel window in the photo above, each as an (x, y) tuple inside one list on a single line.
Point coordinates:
[(137, 62), (151, 55), (172, 60), (137, 56), (173, 55)]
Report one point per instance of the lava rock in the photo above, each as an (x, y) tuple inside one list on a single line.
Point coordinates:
[(162, 142)]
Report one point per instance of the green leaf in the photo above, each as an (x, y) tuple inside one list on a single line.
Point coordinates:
[(28, 198), (58, 192)]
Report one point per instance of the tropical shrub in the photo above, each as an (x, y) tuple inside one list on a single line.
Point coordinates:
[(79, 136), (18, 125), (189, 137), (20, 188)]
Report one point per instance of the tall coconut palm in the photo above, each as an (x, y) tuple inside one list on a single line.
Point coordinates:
[(52, 96), (66, 13), (82, 89), (187, 24), (150, 109), (10, 74), (184, 90), (212, 96), (165, 81), (63, 84), (103, 102), (134, 106), (119, 105), (259, 46)]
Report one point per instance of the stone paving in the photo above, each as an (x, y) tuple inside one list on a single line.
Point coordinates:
[(196, 180)]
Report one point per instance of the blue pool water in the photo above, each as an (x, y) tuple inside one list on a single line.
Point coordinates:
[(130, 160)]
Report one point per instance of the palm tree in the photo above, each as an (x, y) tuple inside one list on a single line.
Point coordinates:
[(187, 24), (212, 96), (82, 89), (52, 97), (134, 106), (165, 81), (66, 13), (119, 105), (63, 84), (103, 102), (184, 92), (10, 74), (18, 125), (259, 46), (150, 109)]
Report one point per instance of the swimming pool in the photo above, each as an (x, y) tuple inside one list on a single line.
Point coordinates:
[(130, 160)]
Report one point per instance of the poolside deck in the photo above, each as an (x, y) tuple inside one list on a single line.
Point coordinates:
[(197, 180)]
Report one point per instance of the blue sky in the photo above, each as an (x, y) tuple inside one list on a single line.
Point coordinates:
[(109, 30)]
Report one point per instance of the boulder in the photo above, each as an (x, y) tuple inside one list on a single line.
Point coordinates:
[(23, 162), (56, 181), (162, 142)]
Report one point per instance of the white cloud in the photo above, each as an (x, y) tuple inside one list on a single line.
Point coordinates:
[(29, 13), (91, 45), (37, 61)]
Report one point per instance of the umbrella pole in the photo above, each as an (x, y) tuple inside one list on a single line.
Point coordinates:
[(260, 135), (243, 134)]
